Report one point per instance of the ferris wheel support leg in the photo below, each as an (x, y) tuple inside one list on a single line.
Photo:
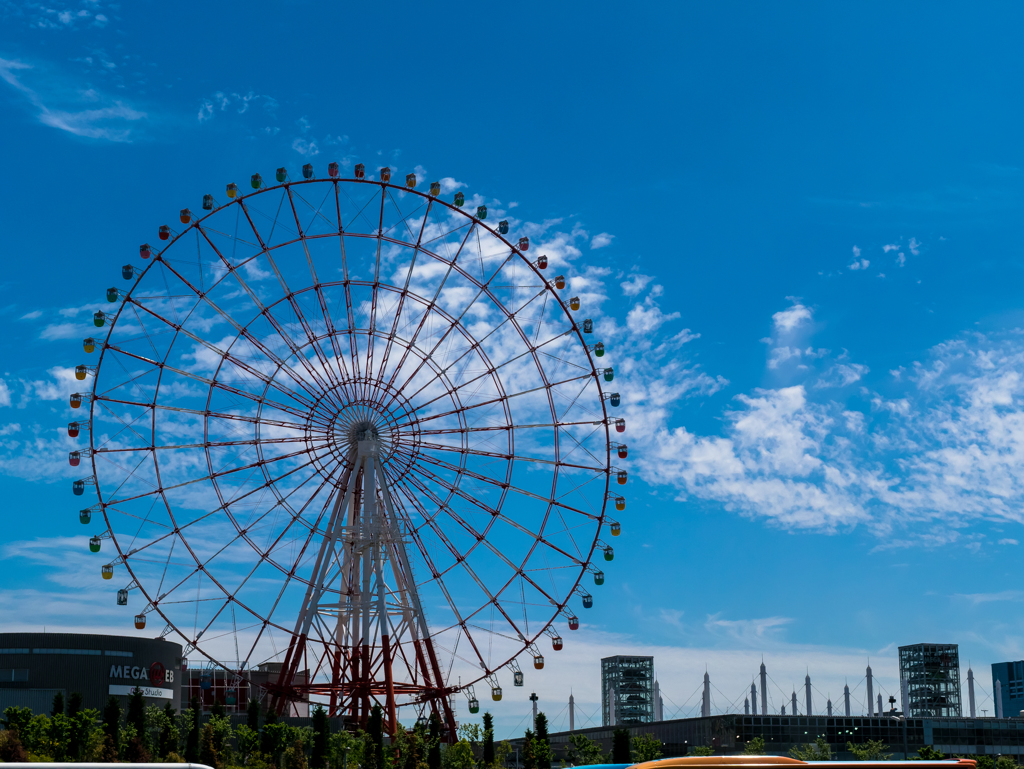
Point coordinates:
[(447, 716), (297, 646)]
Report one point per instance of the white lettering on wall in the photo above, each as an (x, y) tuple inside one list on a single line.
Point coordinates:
[(115, 671)]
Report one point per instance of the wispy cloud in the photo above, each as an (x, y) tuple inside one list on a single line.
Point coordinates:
[(601, 240), (979, 598), (83, 113)]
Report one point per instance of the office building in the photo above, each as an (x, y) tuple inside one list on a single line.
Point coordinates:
[(1010, 691)]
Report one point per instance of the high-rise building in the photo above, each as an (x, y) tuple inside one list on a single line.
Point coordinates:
[(1010, 676), (932, 676), (627, 690)]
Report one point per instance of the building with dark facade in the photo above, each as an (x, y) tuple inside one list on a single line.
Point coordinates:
[(36, 666), (931, 673), (729, 734), (232, 689), (1010, 676), (627, 690)]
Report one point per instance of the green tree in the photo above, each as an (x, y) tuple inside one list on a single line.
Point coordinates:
[(59, 735), (583, 751), (252, 715), (872, 750), (928, 753), (458, 756), (321, 733), (344, 748), (703, 750), (1006, 762), (543, 742), (16, 719), (167, 741), (374, 757), (195, 712), (754, 747), (207, 749), (819, 750), (295, 756), (488, 757), (434, 743), (529, 754), (501, 753), (274, 738), (112, 723), (621, 753), (58, 704), (83, 727), (137, 714), (646, 747)]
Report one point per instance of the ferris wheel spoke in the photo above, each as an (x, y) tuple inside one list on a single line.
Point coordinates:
[(456, 323), (403, 221), (235, 360), (289, 294), (499, 484), (459, 430), (404, 293), (342, 378), (436, 575), (579, 445), (502, 399), (509, 318), (201, 413), (126, 426), (432, 304), (215, 383), (490, 546), (509, 457), (256, 343), (206, 445), (210, 477), (264, 312), (490, 372)]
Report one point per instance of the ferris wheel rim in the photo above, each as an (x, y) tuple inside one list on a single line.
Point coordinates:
[(124, 556)]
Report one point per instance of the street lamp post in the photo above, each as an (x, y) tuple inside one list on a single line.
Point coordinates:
[(902, 719)]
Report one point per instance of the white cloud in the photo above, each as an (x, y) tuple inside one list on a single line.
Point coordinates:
[(5, 397), (635, 284), (114, 122), (31, 315), (856, 252), (890, 247), (1008, 542), (901, 259), (646, 318), (790, 319), (305, 148), (601, 240), (914, 246), (859, 264), (842, 375)]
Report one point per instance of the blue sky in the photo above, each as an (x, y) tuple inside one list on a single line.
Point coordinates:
[(800, 224)]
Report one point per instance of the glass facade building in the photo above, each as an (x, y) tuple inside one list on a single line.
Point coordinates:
[(932, 676), (1010, 676), (627, 690)]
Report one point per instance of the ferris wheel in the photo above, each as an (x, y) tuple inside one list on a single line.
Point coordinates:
[(358, 429)]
